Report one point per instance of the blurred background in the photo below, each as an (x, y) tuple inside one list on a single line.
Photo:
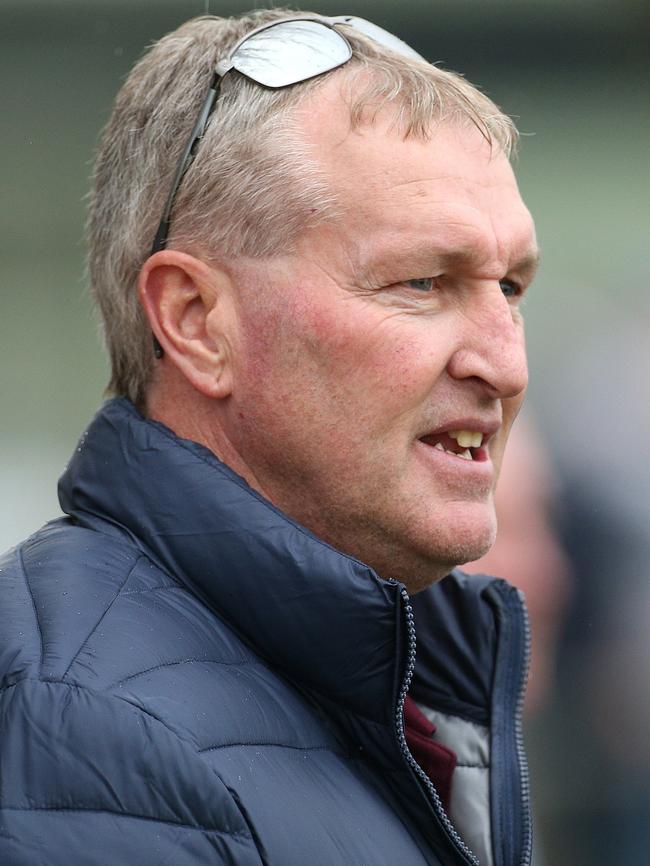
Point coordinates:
[(575, 75)]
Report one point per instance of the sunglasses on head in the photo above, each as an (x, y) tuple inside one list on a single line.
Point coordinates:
[(275, 55)]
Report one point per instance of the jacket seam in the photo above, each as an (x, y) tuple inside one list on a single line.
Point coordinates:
[(160, 588), (186, 662), (101, 618), (108, 696), (83, 809), (259, 846), (273, 745), (33, 601)]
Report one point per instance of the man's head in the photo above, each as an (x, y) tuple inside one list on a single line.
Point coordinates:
[(339, 292)]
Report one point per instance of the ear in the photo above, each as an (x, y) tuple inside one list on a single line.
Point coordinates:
[(188, 304)]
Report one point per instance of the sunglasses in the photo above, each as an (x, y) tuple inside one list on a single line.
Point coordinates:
[(278, 54)]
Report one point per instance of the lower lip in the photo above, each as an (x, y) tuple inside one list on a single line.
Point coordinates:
[(480, 469)]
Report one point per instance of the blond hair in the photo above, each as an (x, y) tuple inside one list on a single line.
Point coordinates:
[(253, 186)]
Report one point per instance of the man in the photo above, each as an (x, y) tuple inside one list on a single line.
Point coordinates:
[(212, 658)]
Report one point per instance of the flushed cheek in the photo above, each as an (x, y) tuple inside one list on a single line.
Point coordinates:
[(326, 364), (373, 354)]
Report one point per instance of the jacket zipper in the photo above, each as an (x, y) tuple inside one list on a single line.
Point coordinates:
[(465, 852), (524, 774), (517, 726), (509, 691)]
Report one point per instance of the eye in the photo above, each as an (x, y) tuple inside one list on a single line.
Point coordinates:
[(510, 289), (424, 284)]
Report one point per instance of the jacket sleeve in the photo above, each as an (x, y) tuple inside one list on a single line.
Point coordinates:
[(90, 779)]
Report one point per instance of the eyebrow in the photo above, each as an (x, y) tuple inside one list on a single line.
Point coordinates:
[(442, 256), (528, 263)]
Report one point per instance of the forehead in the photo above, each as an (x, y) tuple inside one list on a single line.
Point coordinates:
[(450, 190)]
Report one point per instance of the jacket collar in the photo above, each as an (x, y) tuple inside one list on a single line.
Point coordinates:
[(323, 618)]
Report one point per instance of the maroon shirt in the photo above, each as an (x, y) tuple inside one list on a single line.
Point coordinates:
[(437, 761)]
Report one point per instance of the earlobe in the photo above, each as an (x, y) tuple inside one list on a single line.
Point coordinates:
[(187, 305)]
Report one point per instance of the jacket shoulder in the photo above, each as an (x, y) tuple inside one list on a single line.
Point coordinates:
[(90, 608), (88, 767), (88, 777)]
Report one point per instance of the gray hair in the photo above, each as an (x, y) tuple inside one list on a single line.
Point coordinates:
[(253, 187)]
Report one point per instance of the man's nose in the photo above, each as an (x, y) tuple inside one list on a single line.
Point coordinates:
[(491, 347)]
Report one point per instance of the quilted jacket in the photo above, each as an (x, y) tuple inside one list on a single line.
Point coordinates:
[(190, 678)]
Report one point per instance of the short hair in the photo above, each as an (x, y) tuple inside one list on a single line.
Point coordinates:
[(253, 187)]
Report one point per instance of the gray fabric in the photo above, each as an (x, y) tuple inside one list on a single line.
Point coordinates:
[(469, 808)]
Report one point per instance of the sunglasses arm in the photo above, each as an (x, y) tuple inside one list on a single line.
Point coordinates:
[(186, 159)]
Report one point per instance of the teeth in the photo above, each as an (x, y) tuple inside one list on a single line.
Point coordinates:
[(466, 454), (467, 438)]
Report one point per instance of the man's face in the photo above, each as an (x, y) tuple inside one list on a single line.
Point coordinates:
[(385, 332)]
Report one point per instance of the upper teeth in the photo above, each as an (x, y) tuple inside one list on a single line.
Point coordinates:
[(467, 438)]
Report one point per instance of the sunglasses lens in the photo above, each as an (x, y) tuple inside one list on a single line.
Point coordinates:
[(289, 52), (383, 37)]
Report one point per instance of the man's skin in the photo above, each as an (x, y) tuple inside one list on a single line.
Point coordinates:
[(317, 375)]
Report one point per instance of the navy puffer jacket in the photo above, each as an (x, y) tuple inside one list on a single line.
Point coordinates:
[(188, 677)]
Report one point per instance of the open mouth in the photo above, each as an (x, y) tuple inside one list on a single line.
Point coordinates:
[(464, 444)]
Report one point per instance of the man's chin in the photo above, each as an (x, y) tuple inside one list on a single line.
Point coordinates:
[(466, 529), (464, 540), (472, 548)]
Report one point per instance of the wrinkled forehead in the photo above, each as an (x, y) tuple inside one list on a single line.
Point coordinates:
[(451, 186)]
